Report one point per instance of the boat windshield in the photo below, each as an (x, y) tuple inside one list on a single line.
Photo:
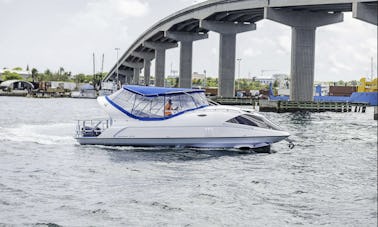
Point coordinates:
[(157, 107)]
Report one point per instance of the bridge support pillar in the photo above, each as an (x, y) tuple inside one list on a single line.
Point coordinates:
[(136, 73), (125, 76), (186, 64), (160, 49), (227, 52), (186, 40), (129, 79), (366, 13), (147, 72), (304, 26), (135, 66), (159, 67), (226, 68), (147, 58), (122, 79)]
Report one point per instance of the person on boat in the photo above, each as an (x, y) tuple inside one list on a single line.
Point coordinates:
[(168, 108)]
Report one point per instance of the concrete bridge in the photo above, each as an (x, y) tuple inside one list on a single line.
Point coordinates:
[(229, 18)]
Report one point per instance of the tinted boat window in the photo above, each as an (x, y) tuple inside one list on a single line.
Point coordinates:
[(263, 122), (242, 120)]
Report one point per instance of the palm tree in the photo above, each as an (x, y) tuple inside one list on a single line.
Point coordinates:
[(34, 73)]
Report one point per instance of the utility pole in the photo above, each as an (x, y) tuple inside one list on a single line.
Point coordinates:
[(239, 60), (372, 69), (117, 72)]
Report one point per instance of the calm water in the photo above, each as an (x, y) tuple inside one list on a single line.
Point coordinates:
[(329, 178)]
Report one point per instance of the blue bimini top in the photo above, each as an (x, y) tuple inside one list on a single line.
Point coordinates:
[(158, 91), (151, 103)]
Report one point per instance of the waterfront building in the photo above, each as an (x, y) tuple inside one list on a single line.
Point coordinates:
[(265, 81), (25, 74), (198, 76)]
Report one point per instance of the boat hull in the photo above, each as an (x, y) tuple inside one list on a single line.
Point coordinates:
[(238, 142)]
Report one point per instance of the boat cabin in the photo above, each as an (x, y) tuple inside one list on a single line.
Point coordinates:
[(156, 103)]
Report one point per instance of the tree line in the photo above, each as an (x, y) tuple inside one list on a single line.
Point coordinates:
[(240, 84), (65, 76), (60, 75)]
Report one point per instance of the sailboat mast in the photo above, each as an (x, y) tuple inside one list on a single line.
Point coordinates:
[(94, 65), (102, 64)]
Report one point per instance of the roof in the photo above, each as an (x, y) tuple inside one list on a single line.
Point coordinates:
[(158, 91)]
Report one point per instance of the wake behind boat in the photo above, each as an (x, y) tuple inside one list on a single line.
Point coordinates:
[(156, 116)]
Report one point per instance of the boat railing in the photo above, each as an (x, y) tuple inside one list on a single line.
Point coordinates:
[(92, 128)]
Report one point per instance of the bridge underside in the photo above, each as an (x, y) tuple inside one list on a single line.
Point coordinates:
[(228, 18)]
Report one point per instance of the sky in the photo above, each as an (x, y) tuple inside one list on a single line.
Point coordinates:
[(48, 34)]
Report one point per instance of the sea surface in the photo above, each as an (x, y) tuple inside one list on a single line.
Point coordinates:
[(46, 178)]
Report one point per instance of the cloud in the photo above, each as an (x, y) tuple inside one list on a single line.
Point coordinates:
[(104, 13), (98, 26), (193, 1), (106, 16), (284, 43), (132, 8), (250, 52), (6, 1), (345, 49)]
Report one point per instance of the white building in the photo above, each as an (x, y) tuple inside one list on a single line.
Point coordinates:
[(265, 81), (23, 73), (198, 76)]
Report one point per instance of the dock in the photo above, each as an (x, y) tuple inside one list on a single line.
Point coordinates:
[(308, 106), (14, 93), (235, 101)]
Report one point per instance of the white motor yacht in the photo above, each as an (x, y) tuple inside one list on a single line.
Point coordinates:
[(175, 117)]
